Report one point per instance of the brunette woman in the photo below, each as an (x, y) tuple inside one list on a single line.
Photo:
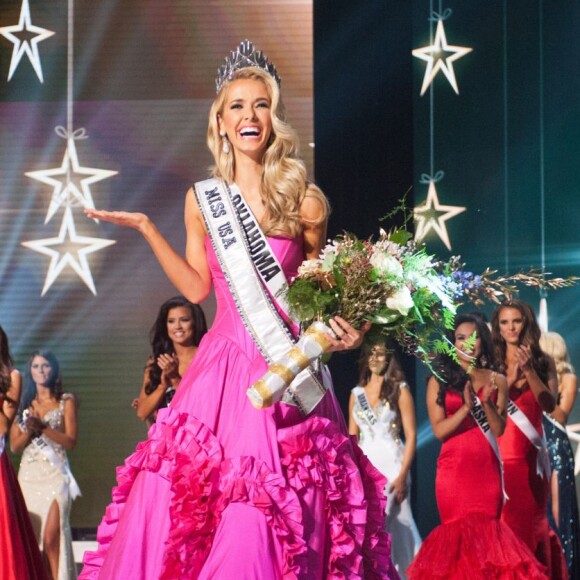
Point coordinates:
[(467, 402), (532, 381)]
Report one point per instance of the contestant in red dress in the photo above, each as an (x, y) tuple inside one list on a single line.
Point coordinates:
[(19, 554), (471, 542), (531, 377)]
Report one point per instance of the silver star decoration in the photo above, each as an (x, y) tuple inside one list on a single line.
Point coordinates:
[(28, 45), (68, 249), (70, 181), (440, 57), (432, 216)]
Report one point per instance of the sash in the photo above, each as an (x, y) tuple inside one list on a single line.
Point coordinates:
[(254, 275), (365, 410), (543, 468), (478, 414), (556, 424), (2, 445), (63, 466)]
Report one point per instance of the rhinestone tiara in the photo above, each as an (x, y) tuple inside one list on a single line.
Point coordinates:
[(244, 56)]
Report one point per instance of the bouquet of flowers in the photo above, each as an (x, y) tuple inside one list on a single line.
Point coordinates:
[(408, 295)]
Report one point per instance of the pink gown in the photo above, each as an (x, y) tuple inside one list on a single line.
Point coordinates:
[(222, 490)]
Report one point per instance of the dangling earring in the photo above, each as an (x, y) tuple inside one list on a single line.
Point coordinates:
[(483, 361), (225, 143)]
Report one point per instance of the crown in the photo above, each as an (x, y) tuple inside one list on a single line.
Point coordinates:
[(244, 56)]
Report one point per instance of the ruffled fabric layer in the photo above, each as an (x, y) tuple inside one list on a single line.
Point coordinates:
[(203, 483), (316, 453), (477, 547)]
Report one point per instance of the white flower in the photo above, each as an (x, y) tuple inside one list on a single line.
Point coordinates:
[(309, 267), (401, 301), (386, 264)]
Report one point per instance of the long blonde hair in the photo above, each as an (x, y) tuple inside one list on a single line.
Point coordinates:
[(554, 344), (284, 182)]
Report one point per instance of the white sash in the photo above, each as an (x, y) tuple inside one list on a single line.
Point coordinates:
[(365, 410), (2, 445), (556, 423), (478, 414), (543, 468), (245, 262), (46, 449)]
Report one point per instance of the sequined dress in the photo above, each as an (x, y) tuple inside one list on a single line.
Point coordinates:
[(562, 461), (42, 483), (381, 443)]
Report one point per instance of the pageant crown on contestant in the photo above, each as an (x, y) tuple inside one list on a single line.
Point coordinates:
[(244, 56)]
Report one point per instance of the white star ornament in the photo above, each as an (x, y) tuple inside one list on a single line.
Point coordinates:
[(68, 249), (70, 181), (440, 57), (432, 215), (26, 43)]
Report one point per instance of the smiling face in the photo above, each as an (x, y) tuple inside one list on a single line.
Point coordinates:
[(246, 117), (41, 371), (180, 326), (465, 352), (511, 324)]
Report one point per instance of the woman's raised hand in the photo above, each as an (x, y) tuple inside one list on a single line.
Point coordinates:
[(169, 367), (347, 337), (127, 219)]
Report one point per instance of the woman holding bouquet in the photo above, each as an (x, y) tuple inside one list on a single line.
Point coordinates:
[(380, 406), (531, 377), (467, 408), (221, 489)]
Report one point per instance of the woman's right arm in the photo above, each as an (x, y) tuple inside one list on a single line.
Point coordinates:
[(352, 426), (148, 403), (444, 426), (190, 275), (19, 439)]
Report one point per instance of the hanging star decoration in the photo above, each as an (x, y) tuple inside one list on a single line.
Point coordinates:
[(432, 215), (25, 37), (68, 249), (440, 57), (71, 181)]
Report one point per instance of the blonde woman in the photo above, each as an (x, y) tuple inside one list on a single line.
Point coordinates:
[(221, 489), (563, 503)]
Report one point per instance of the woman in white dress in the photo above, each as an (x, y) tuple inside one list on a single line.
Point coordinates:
[(379, 408), (46, 428)]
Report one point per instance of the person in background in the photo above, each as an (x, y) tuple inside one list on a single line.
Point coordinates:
[(466, 402), (47, 427), (379, 408), (532, 382), (175, 336), (563, 502), (19, 554)]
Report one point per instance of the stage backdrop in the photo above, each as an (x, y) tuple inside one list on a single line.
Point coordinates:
[(490, 150), (129, 85)]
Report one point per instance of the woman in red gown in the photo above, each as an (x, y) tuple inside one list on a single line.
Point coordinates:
[(471, 542), (19, 554), (531, 377)]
